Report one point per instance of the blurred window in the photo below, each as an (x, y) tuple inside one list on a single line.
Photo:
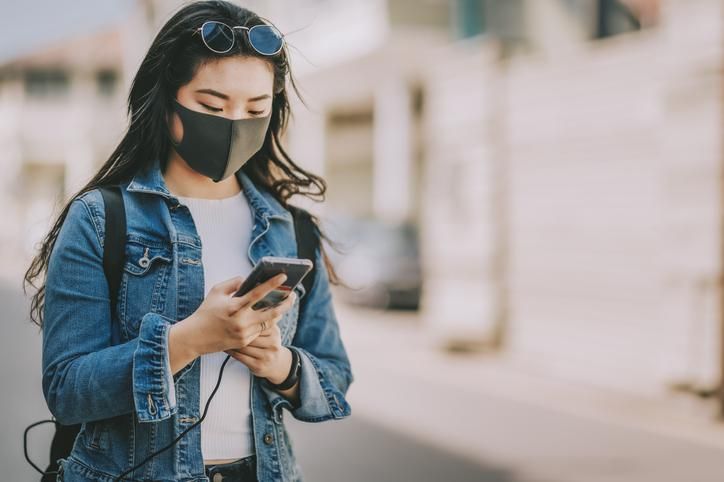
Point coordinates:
[(620, 16), (504, 20), (433, 14), (46, 83), (349, 150), (615, 18), (43, 180), (470, 19), (107, 81)]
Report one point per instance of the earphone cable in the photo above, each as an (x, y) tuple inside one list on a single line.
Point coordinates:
[(180, 436), (120, 477)]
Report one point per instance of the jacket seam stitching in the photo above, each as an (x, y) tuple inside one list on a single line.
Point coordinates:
[(93, 221)]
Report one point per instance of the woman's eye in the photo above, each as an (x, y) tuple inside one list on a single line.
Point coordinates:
[(256, 112), (212, 109)]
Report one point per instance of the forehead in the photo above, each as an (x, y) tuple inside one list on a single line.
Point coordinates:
[(238, 77)]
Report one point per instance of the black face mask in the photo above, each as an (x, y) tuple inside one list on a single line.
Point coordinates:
[(215, 146)]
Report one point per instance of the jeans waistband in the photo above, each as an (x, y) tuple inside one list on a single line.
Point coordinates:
[(240, 470)]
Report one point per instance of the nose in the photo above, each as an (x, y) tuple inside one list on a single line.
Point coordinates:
[(237, 114)]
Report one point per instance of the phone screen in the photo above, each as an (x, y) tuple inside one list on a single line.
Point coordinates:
[(274, 297)]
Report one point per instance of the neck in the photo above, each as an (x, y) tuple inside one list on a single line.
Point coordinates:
[(182, 180)]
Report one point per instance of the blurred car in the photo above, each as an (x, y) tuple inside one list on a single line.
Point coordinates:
[(379, 261)]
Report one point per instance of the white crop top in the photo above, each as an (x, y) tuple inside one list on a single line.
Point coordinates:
[(224, 226)]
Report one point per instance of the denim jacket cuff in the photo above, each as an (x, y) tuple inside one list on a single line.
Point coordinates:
[(319, 399), (154, 392)]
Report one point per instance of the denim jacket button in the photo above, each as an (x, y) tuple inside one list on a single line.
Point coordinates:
[(268, 438), (144, 261)]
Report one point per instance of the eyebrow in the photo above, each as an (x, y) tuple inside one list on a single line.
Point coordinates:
[(226, 97), (213, 92)]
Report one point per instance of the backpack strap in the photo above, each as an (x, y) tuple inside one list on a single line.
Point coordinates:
[(307, 236), (114, 247), (113, 254), (60, 448)]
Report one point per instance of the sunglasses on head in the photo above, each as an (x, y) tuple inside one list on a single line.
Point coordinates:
[(220, 38)]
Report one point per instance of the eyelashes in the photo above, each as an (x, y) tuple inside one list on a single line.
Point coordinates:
[(212, 109), (216, 110)]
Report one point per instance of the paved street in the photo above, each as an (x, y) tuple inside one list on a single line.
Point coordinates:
[(409, 426), (523, 426)]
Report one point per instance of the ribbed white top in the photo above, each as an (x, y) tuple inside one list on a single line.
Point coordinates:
[(225, 227)]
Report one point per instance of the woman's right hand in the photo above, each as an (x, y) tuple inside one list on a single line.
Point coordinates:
[(224, 321)]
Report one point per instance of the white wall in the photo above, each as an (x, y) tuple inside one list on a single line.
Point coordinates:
[(614, 156)]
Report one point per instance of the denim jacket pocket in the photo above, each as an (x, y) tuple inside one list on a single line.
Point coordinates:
[(144, 281), (95, 436)]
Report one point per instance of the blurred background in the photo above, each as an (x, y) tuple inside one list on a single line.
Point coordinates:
[(528, 194)]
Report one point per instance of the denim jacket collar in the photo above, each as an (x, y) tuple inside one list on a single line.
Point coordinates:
[(150, 180)]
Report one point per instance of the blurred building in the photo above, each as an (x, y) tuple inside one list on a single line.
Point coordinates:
[(61, 114), (612, 159), (561, 160)]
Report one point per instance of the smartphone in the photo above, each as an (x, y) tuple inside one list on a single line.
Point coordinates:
[(268, 267)]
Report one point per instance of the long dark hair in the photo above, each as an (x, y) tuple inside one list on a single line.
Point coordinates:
[(171, 62)]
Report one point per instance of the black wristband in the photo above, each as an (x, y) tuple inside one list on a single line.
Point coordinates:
[(293, 375)]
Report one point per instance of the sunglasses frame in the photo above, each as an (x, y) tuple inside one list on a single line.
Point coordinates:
[(233, 38)]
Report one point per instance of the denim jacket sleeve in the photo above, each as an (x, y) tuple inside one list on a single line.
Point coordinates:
[(326, 373), (84, 377)]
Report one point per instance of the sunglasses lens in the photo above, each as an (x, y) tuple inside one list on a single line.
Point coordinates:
[(218, 37), (265, 39)]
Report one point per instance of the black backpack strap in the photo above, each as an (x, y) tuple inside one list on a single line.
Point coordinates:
[(113, 257), (114, 247), (308, 240), (60, 447)]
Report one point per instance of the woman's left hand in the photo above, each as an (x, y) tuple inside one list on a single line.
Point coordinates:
[(265, 356)]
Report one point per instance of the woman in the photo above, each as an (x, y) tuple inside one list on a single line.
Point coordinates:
[(200, 165)]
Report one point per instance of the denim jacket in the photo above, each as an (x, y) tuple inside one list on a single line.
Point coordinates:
[(123, 393)]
